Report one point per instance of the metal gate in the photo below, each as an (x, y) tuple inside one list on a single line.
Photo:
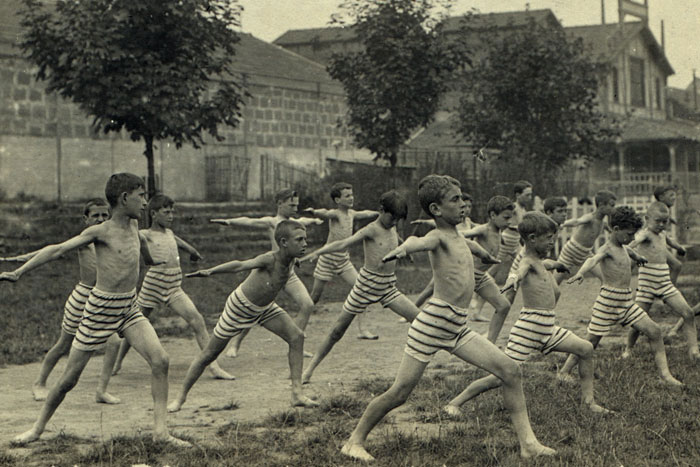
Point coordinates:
[(226, 177)]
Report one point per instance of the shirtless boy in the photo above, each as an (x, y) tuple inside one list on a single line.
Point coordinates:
[(441, 325), (95, 212), (340, 223), (287, 205), (667, 194), (109, 307), (535, 328), (615, 304), (161, 286), (654, 279), (376, 281), (588, 229), (253, 302)]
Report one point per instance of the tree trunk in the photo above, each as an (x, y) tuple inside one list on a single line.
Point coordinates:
[(151, 178)]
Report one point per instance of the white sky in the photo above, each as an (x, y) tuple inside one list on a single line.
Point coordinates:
[(269, 19)]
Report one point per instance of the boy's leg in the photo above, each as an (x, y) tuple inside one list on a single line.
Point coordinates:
[(480, 315), (350, 276), (283, 326), (59, 349), (186, 310), (111, 349), (339, 327), (673, 332), (572, 359), (404, 307), (492, 295), (236, 343), (649, 328), (296, 289), (143, 338), (674, 265), (633, 334), (680, 306), (410, 371), (208, 354), (317, 289), (125, 346), (425, 294), (77, 359), (480, 352), (474, 389)]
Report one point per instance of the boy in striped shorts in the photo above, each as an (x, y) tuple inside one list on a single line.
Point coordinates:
[(253, 302), (588, 229), (615, 304), (654, 280), (535, 329), (109, 308), (442, 323), (330, 265), (95, 212), (162, 285), (376, 281)]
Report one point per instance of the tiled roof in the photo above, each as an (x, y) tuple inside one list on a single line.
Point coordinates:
[(305, 36)]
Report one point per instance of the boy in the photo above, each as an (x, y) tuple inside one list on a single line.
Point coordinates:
[(376, 281), (589, 227), (253, 302), (95, 212), (465, 225), (667, 194), (287, 202), (109, 307), (654, 280), (340, 223), (441, 324), (161, 286), (615, 303), (535, 328)]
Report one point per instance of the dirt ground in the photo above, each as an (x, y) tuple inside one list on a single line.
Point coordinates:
[(261, 387)]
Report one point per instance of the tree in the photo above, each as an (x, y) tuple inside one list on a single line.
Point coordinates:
[(532, 96), (158, 69), (394, 84)]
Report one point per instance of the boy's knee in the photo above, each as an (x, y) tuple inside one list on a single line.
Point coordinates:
[(674, 263), (587, 349), (295, 337), (654, 332), (511, 372), (160, 361)]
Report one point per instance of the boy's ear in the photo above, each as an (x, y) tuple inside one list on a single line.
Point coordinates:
[(531, 236), (434, 209)]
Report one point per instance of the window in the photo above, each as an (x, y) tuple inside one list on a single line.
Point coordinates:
[(657, 83), (637, 91), (615, 85)]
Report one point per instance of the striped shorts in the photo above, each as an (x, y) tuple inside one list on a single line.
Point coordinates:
[(371, 287), (510, 241), (654, 281), (614, 305), (73, 309), (574, 254), (160, 286), (439, 326), (534, 330), (240, 313), (105, 313), (332, 264), (482, 279), (516, 262)]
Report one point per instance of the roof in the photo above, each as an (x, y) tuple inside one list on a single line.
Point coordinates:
[(305, 36), (607, 40), (438, 134), (645, 129)]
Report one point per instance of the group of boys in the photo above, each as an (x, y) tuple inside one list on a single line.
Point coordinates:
[(516, 241)]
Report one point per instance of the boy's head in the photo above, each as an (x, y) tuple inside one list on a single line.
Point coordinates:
[(624, 222), (287, 201), (500, 211), (605, 201), (290, 236), (538, 231), (666, 194), (341, 194), (440, 196), (95, 211), (657, 216), (127, 191), (468, 204), (556, 208), (522, 190), (392, 208), (160, 207)]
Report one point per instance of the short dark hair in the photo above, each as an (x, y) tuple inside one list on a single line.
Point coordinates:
[(285, 228), (625, 217), (121, 183), (394, 203), (432, 189), (603, 197), (94, 202), (554, 202), (159, 201), (453, 181), (520, 185), (337, 189), (284, 195), (537, 223), (467, 197), (661, 190), (498, 204)]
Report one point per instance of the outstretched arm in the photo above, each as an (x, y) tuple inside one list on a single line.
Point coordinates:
[(259, 261), (258, 222), (481, 253), (589, 264), (636, 257), (412, 245), (338, 245), (550, 264), (366, 214), (641, 237), (306, 221), (478, 231), (194, 254), (586, 218), (675, 245), (21, 258), (514, 280), (428, 222), (322, 213)]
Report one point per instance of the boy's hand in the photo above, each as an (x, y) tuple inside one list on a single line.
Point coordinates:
[(511, 283), (12, 259), (10, 276), (681, 250), (317, 221), (392, 256), (641, 260), (309, 257), (490, 259), (576, 278), (218, 221), (195, 256), (200, 273), (309, 210)]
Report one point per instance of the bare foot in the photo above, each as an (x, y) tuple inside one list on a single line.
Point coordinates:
[(356, 451), (219, 373), (180, 443), (671, 381), (232, 351), (175, 406), (595, 408), (303, 401), (452, 411), (308, 354), (106, 398), (368, 335), (626, 354), (26, 437), (403, 320), (40, 393), (565, 378), (305, 378), (535, 450), (116, 369)]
